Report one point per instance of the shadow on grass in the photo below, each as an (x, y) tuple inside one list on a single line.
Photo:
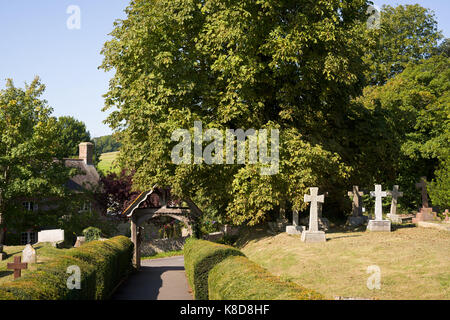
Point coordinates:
[(256, 233), (402, 226), (5, 273), (349, 236)]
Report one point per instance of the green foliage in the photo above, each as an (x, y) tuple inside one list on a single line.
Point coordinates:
[(71, 133), (439, 188), (407, 33), (29, 145), (92, 233), (106, 144), (238, 278), (200, 257), (409, 133), (103, 265), (235, 64)]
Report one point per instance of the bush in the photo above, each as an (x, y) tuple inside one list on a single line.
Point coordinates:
[(200, 256), (238, 278), (103, 265), (92, 233)]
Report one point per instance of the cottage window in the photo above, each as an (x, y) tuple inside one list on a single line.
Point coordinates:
[(30, 206), (28, 237)]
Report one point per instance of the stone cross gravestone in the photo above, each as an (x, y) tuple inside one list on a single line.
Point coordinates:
[(423, 185), (395, 194), (313, 234), (295, 228), (425, 213), (379, 224), (17, 266), (357, 218), (29, 254)]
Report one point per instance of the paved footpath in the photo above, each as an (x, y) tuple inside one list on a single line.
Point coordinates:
[(157, 279)]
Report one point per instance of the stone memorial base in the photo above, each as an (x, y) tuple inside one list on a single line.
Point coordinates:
[(295, 229), (396, 218), (379, 225), (425, 214), (313, 236), (356, 221)]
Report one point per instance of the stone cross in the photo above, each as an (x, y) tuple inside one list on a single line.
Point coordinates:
[(295, 221), (423, 185), (378, 194), (357, 201), (395, 194), (313, 214), (17, 266)]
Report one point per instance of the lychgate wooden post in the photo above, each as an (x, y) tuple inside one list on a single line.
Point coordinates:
[(135, 240)]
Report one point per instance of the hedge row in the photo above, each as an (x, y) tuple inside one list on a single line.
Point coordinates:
[(219, 272), (103, 265), (200, 256)]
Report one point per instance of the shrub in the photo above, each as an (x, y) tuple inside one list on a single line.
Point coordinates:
[(103, 265), (238, 278), (92, 233), (200, 256)]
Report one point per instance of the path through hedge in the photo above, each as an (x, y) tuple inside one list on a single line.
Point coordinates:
[(158, 279)]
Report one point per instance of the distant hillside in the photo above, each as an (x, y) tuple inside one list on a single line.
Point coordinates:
[(106, 144)]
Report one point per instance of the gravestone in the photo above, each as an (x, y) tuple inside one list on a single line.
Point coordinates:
[(357, 218), (17, 266), (392, 215), (313, 234), (379, 224), (80, 241), (55, 235), (2, 254), (295, 228), (425, 213), (29, 254)]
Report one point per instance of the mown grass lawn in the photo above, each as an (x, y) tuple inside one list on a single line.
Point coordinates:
[(164, 255), (44, 252), (414, 262), (106, 163)]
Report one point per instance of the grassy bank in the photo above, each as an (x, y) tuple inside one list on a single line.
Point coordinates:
[(107, 161), (414, 262)]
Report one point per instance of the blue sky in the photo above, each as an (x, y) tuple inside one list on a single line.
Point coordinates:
[(35, 40)]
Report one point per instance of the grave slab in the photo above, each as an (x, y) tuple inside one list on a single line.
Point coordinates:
[(379, 225)]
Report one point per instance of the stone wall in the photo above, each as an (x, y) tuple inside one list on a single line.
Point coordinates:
[(154, 246)]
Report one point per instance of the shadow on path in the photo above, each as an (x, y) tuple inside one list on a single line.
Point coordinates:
[(158, 279)]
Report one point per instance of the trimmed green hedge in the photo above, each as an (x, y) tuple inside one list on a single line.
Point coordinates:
[(238, 278), (103, 265), (220, 272), (200, 256)]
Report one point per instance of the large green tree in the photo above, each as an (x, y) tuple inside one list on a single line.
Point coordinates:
[(71, 133), (408, 121), (291, 65), (28, 146), (407, 33)]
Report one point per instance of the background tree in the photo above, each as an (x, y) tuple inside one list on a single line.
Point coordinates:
[(236, 64), (29, 145), (409, 117), (408, 33), (106, 144)]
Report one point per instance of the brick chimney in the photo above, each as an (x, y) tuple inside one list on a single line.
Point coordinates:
[(86, 152)]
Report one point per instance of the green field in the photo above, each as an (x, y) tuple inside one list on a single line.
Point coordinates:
[(414, 262), (107, 164)]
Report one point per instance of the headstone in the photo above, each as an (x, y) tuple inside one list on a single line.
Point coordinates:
[(29, 254), (379, 224), (2, 254), (295, 228), (357, 218), (80, 241), (324, 224), (313, 234), (17, 266), (425, 213), (54, 235), (395, 194)]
